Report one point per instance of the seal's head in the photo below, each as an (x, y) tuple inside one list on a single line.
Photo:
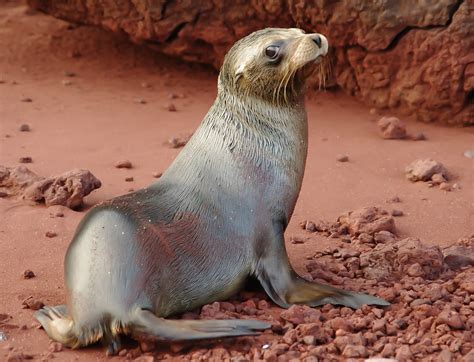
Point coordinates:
[(269, 64)]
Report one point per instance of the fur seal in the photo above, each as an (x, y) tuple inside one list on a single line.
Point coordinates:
[(216, 216)]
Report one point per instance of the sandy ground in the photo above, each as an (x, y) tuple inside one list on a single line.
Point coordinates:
[(98, 120)]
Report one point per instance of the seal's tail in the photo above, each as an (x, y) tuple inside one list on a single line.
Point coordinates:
[(147, 324)]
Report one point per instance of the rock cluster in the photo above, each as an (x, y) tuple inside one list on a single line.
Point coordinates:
[(67, 189), (414, 58)]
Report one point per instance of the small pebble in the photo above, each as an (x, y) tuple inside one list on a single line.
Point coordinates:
[(27, 100), (32, 303), (396, 212), (66, 82), (26, 159), (420, 136), (25, 128), (28, 274), (3, 194), (129, 179), (156, 174), (140, 101), (145, 85), (55, 347), (70, 74), (171, 107), (59, 214), (50, 234), (123, 164), (444, 186), (342, 158), (469, 153)]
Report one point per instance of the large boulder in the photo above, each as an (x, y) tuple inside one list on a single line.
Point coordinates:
[(413, 56)]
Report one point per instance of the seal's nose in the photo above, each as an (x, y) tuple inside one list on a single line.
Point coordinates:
[(317, 39)]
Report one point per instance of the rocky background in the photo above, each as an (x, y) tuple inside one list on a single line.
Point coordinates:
[(415, 56)]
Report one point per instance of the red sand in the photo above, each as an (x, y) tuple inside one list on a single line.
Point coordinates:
[(96, 121)]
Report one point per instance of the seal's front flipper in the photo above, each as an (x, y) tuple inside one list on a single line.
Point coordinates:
[(285, 287), (147, 324), (57, 324)]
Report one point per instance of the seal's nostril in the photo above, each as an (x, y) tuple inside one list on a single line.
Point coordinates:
[(317, 40)]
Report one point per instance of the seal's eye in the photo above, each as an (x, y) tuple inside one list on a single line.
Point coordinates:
[(272, 51)]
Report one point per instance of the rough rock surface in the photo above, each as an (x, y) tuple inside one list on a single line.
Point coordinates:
[(407, 256), (67, 189), (424, 170), (414, 56), (367, 220), (392, 128)]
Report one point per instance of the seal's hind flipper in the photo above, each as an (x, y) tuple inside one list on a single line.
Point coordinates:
[(147, 324), (57, 324), (315, 294)]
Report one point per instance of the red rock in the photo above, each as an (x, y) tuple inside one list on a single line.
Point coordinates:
[(262, 304), (28, 274), (50, 234), (67, 189), (438, 178), (451, 318), (392, 128), (210, 310), (384, 237), (129, 179), (389, 350), (394, 260), (403, 353), (365, 238), (310, 226), (342, 158), (156, 174), (145, 359), (458, 256), (420, 136), (32, 303), (423, 170), (351, 351), (227, 307), (178, 142), (298, 314), (15, 356), (352, 339), (123, 164), (55, 347), (367, 220), (25, 159), (309, 340), (445, 356), (279, 348), (270, 356), (341, 323), (415, 270), (445, 186), (25, 128), (379, 325), (147, 346), (397, 213), (290, 337), (468, 286), (171, 107)]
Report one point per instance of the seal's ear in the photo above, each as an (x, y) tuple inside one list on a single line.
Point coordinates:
[(239, 73)]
